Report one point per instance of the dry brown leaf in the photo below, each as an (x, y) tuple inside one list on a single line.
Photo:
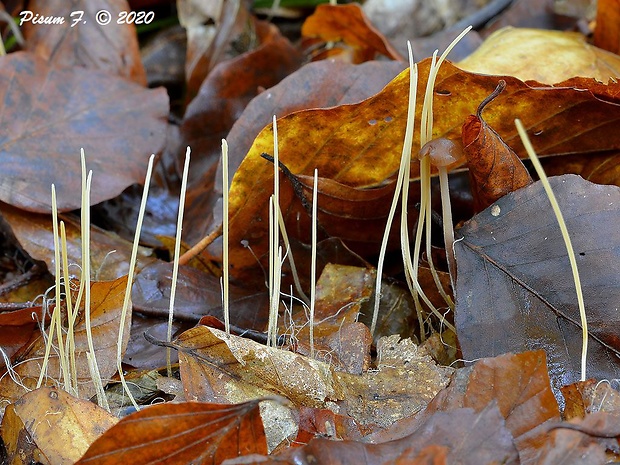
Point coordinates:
[(81, 41), (50, 426), (181, 433), (541, 55), (51, 113), (347, 24), (109, 253), (106, 304)]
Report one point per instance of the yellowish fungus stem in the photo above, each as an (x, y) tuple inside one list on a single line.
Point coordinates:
[(567, 241), (130, 275), (313, 265), (71, 314), (85, 278), (175, 261), (225, 270)]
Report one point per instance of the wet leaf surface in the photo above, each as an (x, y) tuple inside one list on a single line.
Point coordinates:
[(117, 123), (515, 252), (183, 433)]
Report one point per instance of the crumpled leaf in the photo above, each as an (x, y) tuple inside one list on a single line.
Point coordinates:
[(118, 123), (17, 327), (347, 24), (181, 433), (219, 368), (357, 148), (515, 289), (106, 304), (51, 426), (112, 48), (494, 169), (519, 52)]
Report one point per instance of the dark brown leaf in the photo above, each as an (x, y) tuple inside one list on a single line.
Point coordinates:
[(81, 41), (494, 169), (181, 433), (50, 113), (224, 94), (515, 289), (451, 434), (517, 384)]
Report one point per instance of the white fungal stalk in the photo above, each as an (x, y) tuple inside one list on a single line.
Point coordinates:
[(567, 242)]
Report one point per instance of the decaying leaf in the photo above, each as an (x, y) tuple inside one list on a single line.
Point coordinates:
[(181, 433), (218, 368), (82, 41), (515, 290), (519, 52), (117, 123), (226, 91), (50, 426), (106, 304)]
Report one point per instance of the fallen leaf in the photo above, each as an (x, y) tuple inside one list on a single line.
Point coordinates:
[(356, 149), (82, 41), (518, 52), (17, 328), (106, 304), (181, 433), (584, 397), (494, 169), (210, 26), (347, 24), (226, 91), (447, 437), (517, 384), (109, 254), (515, 290), (606, 32), (118, 124), (40, 425), (326, 83)]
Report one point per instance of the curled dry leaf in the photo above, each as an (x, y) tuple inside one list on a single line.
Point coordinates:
[(515, 290), (117, 123), (494, 169), (518, 51), (82, 41), (231, 369), (181, 433), (106, 304), (50, 426), (347, 24)]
